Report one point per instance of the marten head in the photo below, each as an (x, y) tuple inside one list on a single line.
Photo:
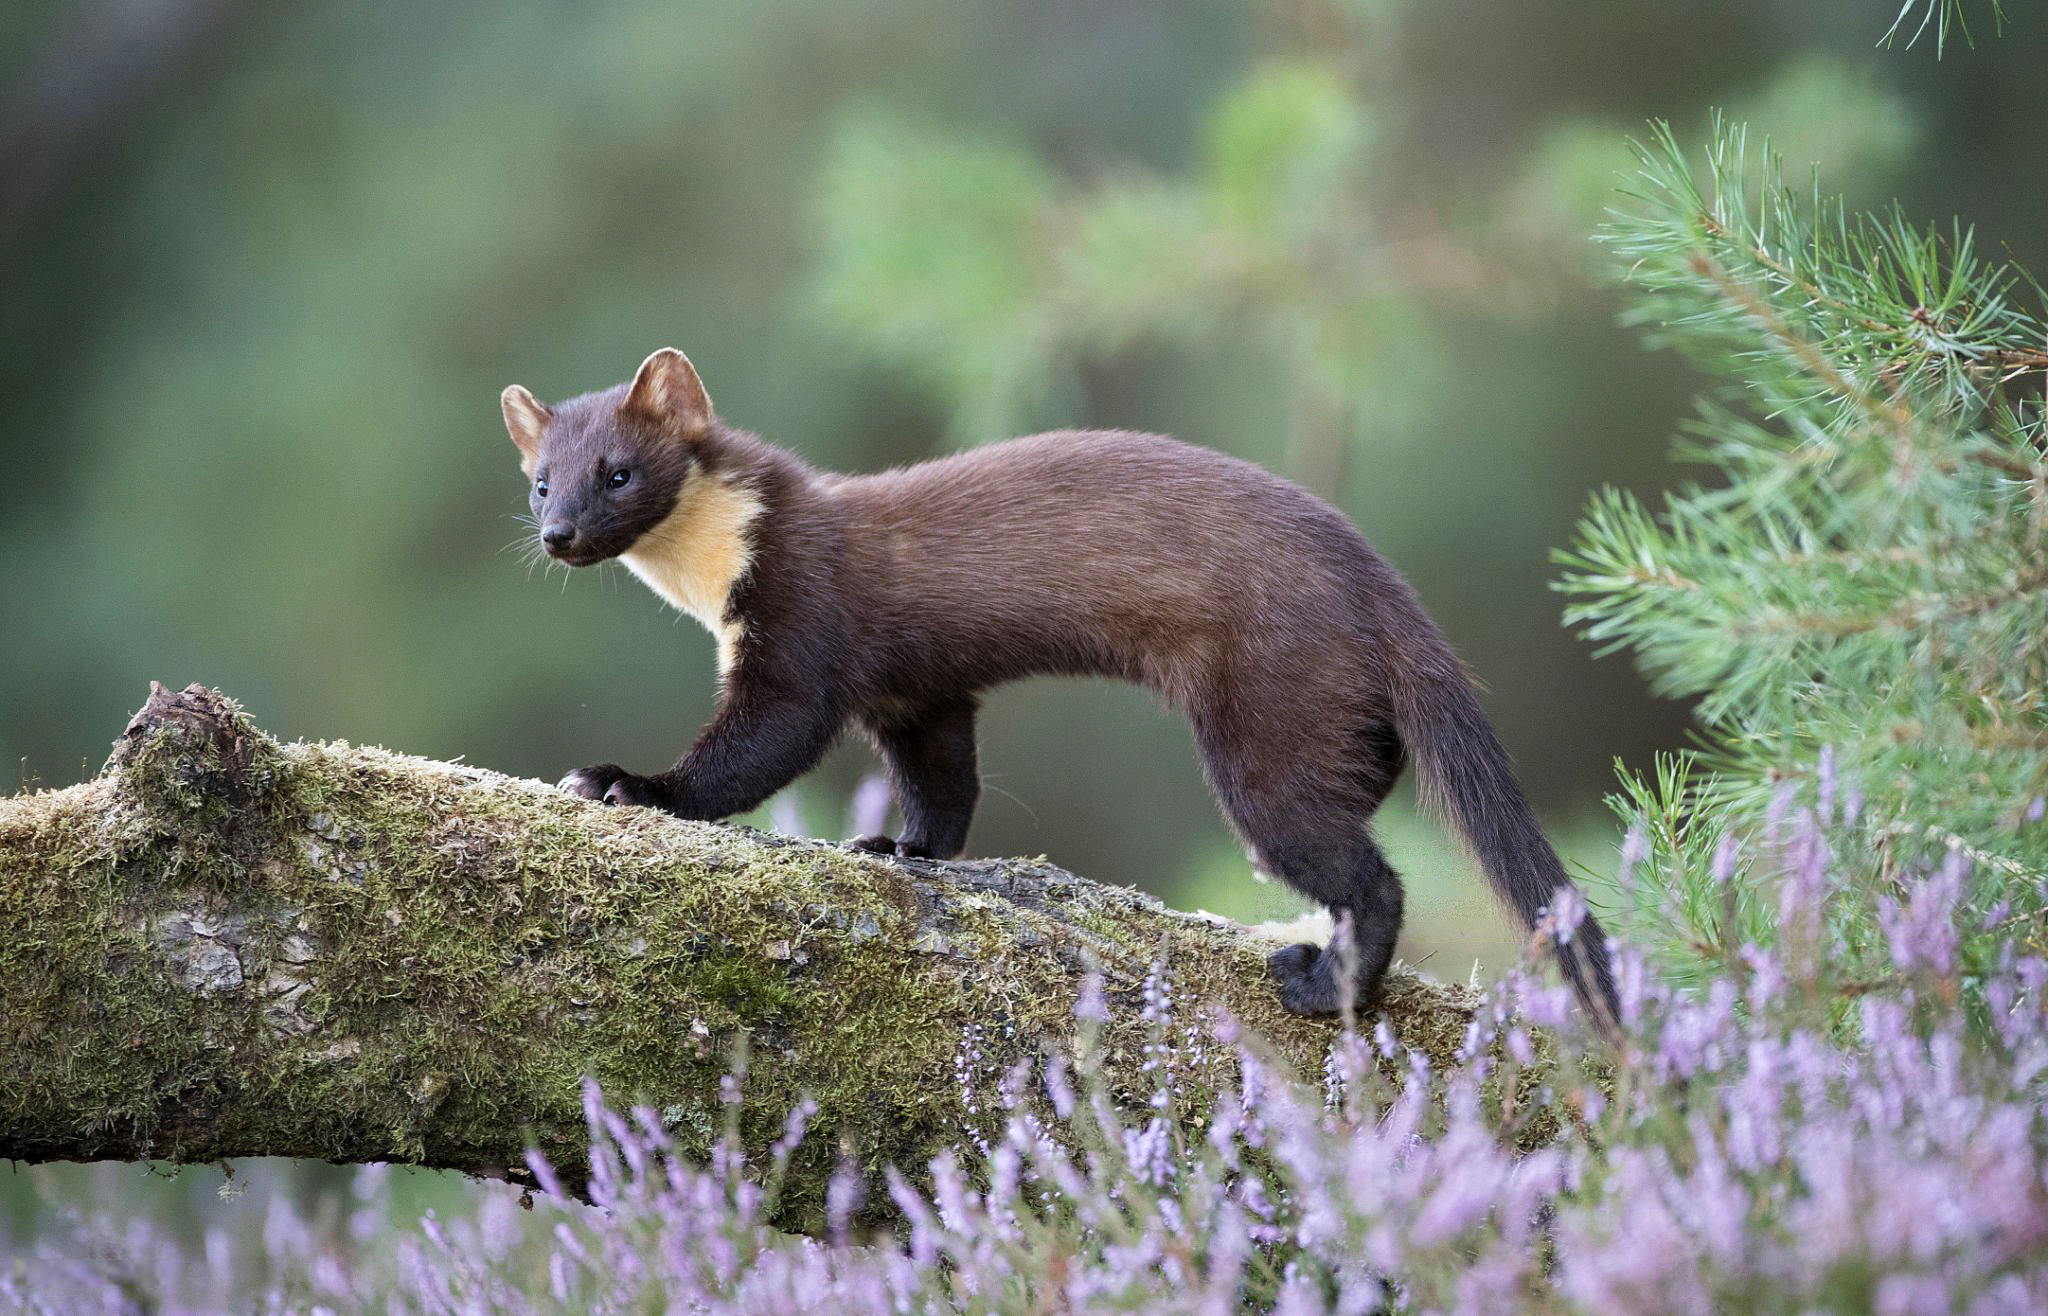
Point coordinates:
[(608, 467)]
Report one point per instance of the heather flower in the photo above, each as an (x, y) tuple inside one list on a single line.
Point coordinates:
[(1561, 919), (1635, 848), (1767, 1155), (1726, 850), (1922, 933), (868, 809), (1090, 1005)]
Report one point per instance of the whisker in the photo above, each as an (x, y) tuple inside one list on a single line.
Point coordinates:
[(988, 783)]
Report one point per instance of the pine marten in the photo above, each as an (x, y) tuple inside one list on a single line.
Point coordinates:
[(890, 601)]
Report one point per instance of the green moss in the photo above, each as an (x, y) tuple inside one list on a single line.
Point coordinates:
[(356, 955)]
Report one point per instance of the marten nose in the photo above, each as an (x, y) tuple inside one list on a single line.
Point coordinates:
[(558, 534)]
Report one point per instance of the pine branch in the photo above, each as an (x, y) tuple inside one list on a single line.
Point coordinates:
[(1940, 16), (1860, 582)]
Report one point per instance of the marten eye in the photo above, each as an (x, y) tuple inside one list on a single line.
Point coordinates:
[(540, 486), (621, 478)]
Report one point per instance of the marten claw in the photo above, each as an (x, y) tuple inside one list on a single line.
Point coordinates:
[(874, 844)]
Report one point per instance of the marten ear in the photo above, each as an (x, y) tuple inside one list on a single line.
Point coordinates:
[(667, 392), (526, 418)]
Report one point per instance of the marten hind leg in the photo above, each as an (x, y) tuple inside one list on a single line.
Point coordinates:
[(1307, 826), (1311, 977), (931, 762)]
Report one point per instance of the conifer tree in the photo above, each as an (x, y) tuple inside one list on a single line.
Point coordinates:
[(1857, 594)]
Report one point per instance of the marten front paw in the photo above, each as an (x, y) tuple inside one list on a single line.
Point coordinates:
[(611, 784), (908, 848)]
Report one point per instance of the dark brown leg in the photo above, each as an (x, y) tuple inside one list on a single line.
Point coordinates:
[(931, 762)]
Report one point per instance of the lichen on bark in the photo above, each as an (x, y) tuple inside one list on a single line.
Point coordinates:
[(225, 946)]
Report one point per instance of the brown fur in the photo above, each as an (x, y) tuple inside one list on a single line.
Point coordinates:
[(889, 601)]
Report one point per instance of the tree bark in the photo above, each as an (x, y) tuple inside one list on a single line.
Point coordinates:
[(225, 946)]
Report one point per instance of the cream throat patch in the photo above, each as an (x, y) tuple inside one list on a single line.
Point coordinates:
[(698, 553)]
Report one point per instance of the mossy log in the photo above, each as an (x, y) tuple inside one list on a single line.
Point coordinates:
[(225, 946)]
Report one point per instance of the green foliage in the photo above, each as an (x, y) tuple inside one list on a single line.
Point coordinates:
[(967, 263), (1284, 151), (1863, 585), (1916, 17), (938, 242), (1835, 115), (962, 263)]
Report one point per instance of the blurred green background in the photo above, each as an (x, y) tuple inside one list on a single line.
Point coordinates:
[(266, 268)]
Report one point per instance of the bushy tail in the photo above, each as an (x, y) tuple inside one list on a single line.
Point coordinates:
[(1466, 777)]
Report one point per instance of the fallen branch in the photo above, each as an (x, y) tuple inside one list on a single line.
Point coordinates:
[(224, 946)]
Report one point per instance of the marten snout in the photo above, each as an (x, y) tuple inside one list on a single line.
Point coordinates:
[(569, 539)]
